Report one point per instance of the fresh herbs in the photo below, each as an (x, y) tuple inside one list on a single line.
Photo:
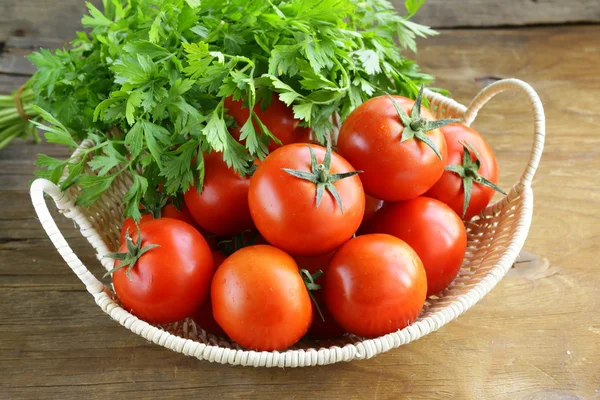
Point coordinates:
[(147, 85), (15, 112)]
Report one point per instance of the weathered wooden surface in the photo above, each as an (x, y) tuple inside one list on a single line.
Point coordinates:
[(41, 18), (534, 337), (478, 13), (59, 19)]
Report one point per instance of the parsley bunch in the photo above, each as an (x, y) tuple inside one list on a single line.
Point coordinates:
[(147, 84)]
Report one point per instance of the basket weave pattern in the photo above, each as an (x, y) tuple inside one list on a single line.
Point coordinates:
[(494, 240)]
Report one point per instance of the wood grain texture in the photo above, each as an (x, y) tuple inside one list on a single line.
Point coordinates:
[(60, 19), (489, 13), (534, 337), (42, 18)]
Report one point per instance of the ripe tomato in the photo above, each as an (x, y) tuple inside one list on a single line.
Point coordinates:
[(292, 213), (278, 117), (372, 205), (183, 214), (375, 285), (322, 327), (259, 299), (433, 230), (166, 283), (397, 162), (478, 173), (129, 226), (168, 211), (203, 317), (222, 207)]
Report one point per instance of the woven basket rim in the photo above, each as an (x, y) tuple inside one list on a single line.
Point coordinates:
[(520, 197)]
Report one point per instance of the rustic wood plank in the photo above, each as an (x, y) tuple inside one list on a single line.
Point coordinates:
[(488, 13), (34, 42), (8, 83), (13, 63), (42, 18), (57, 21), (533, 337)]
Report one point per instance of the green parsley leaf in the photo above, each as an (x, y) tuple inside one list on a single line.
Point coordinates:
[(147, 84), (56, 132), (96, 18)]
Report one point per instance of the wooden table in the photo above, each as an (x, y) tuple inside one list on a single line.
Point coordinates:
[(536, 336)]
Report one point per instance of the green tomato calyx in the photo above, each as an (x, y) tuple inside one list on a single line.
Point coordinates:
[(415, 127), (132, 255), (236, 242), (153, 203), (468, 171), (309, 282), (320, 175)]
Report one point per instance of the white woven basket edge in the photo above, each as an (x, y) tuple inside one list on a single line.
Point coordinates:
[(443, 107)]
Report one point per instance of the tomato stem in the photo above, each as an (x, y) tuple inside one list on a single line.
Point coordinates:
[(132, 255), (153, 202), (309, 282), (241, 240), (320, 175), (468, 171), (415, 127)]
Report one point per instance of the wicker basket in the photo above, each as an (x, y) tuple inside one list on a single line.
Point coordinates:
[(494, 240)]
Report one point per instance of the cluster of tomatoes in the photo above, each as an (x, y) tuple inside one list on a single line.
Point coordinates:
[(315, 243)]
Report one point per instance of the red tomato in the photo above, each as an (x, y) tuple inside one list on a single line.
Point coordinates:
[(169, 282), (259, 299), (450, 189), (222, 207), (129, 226), (284, 207), (323, 327), (372, 205), (278, 117), (203, 317), (433, 230), (371, 140), (375, 285), (168, 211), (183, 214)]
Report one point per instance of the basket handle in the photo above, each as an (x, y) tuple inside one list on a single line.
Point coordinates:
[(66, 205), (539, 119)]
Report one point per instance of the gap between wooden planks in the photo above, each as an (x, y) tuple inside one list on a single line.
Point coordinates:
[(60, 19)]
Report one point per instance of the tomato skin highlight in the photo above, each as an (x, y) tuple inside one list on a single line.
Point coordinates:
[(203, 317), (370, 139), (169, 282), (326, 327), (449, 188), (259, 299), (284, 208), (278, 117), (375, 285), (222, 207), (433, 230)]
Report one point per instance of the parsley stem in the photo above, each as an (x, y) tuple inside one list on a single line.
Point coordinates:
[(246, 67), (85, 152), (344, 74)]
